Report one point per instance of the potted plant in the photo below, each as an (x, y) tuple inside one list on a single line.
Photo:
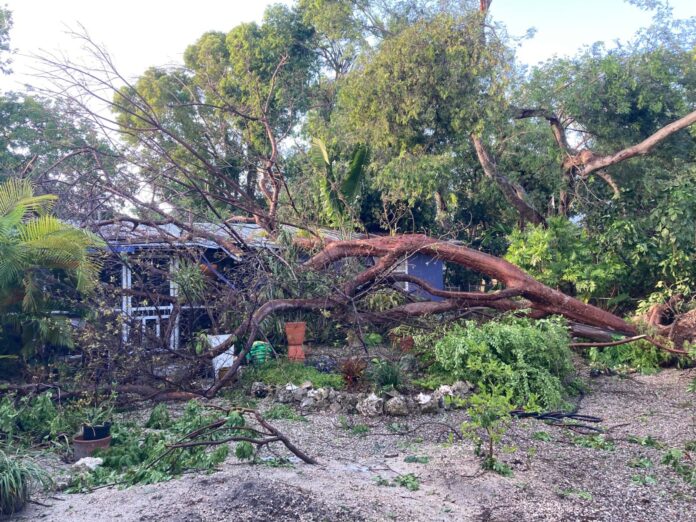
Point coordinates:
[(96, 431), (97, 424)]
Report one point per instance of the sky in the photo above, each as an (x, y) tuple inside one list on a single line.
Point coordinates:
[(142, 33)]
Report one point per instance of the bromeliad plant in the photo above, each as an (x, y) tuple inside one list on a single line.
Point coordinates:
[(37, 250)]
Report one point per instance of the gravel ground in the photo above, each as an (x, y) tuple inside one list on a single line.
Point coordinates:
[(554, 479)]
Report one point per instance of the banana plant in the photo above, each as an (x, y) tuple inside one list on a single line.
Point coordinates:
[(338, 193)]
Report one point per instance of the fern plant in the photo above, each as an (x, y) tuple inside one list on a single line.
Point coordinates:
[(33, 244)]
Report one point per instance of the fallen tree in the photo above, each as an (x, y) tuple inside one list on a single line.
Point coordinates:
[(520, 293)]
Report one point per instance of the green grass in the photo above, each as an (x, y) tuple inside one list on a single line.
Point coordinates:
[(280, 372), (283, 412)]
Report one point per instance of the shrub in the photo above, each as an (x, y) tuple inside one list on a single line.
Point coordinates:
[(19, 477), (489, 412), (386, 375), (352, 370), (281, 371), (529, 358), (639, 356)]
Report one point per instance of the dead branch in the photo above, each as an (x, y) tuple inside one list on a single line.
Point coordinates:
[(613, 343)]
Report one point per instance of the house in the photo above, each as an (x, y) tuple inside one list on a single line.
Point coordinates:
[(141, 260)]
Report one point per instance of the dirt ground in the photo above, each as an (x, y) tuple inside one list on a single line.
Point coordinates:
[(555, 478)]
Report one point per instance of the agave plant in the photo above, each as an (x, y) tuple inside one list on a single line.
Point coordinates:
[(34, 243)]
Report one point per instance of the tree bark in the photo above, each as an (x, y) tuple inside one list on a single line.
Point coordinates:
[(514, 192)]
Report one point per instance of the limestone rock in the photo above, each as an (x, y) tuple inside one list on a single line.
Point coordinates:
[(320, 396), (427, 403), (396, 406), (372, 406), (87, 464), (260, 390), (462, 388), (286, 395), (298, 394), (307, 403)]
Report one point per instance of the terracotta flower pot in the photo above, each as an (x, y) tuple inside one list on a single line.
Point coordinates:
[(296, 353), (295, 333), (84, 448)]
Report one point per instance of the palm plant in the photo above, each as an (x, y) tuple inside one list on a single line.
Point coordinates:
[(33, 246)]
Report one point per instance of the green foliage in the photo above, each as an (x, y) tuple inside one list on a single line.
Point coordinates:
[(280, 372), (19, 477), (373, 339), (244, 450), (541, 436), (386, 375), (489, 411), (138, 456), (640, 463), (383, 300), (407, 480), (338, 193), (576, 493), (190, 281), (159, 418), (31, 420), (531, 359), (682, 465), (638, 356), (648, 441), (644, 480), (5, 26), (283, 412), (358, 430), (562, 255), (416, 98), (598, 442), (33, 243)]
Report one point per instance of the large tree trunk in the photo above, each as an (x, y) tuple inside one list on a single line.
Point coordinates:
[(541, 298), (521, 293)]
